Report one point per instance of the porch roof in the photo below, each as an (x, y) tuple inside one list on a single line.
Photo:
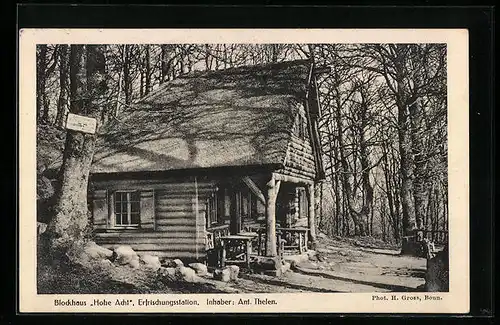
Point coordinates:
[(235, 117)]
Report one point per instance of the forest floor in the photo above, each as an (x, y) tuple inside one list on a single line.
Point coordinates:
[(341, 265)]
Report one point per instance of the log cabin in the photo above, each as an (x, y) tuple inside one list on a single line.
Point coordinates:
[(206, 151)]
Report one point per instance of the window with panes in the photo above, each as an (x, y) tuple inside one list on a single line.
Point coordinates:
[(127, 208)]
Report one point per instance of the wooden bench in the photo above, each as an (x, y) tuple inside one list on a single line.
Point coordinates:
[(214, 234), (236, 249)]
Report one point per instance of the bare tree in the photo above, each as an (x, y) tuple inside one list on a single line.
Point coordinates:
[(62, 103), (87, 79)]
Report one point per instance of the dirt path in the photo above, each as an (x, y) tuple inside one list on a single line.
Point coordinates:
[(342, 267)]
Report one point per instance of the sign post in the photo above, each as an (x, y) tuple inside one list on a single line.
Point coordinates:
[(81, 123)]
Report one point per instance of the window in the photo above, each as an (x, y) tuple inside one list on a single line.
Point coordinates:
[(218, 206), (303, 203), (212, 209), (243, 198), (301, 127), (127, 208)]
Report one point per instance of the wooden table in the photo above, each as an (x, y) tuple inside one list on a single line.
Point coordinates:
[(255, 239), (234, 242), (301, 232), (248, 234)]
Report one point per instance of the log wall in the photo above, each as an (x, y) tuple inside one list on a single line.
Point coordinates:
[(178, 232)]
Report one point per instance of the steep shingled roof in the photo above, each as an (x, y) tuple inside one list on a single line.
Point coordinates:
[(234, 117)]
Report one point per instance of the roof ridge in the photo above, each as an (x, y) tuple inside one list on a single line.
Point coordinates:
[(242, 68), (246, 67)]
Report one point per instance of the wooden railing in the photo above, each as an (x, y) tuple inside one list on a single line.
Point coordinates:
[(261, 246), (295, 239), (287, 240), (253, 227), (439, 237)]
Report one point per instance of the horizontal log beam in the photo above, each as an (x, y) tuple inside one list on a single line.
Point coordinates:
[(297, 173), (150, 184), (170, 255), (301, 157), (183, 193), (179, 208), (301, 144), (292, 179), (177, 222), (309, 169), (160, 242), (163, 200), (177, 232), (167, 227), (175, 250)]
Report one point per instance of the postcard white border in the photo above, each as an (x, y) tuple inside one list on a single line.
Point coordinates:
[(455, 301)]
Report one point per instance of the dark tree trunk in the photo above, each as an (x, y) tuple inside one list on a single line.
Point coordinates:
[(141, 87), (366, 209), (331, 150), (224, 46), (398, 231), (217, 57), (62, 103), (127, 78), (419, 183), (67, 227), (445, 208), (407, 170), (147, 86), (338, 196), (41, 81), (383, 225), (208, 57), (274, 53), (407, 178), (318, 201), (48, 72), (116, 109), (359, 218), (393, 216), (164, 63)]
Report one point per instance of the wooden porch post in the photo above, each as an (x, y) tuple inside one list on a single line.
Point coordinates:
[(271, 195), (311, 219)]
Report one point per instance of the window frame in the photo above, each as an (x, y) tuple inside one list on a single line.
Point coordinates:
[(212, 210), (303, 201), (129, 201), (246, 211)]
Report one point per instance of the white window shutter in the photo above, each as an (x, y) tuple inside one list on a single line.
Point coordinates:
[(100, 209), (148, 210)]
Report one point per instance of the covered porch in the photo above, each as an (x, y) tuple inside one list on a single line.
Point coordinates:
[(260, 219)]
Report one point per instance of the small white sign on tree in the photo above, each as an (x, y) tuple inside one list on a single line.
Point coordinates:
[(81, 123)]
